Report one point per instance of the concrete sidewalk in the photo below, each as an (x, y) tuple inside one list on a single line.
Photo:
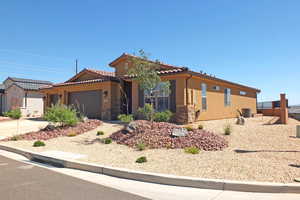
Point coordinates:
[(15, 127), (157, 191)]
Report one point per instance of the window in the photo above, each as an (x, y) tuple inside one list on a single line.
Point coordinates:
[(159, 98), (203, 94), (243, 93), (216, 87), (227, 97)]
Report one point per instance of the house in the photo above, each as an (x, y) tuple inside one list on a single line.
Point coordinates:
[(24, 94), (194, 96)]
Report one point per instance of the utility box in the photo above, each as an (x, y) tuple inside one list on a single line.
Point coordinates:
[(298, 131)]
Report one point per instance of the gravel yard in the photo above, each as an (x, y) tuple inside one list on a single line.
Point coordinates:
[(257, 152)]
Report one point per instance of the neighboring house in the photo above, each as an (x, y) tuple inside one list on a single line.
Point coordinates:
[(194, 96), (2, 89), (24, 94)]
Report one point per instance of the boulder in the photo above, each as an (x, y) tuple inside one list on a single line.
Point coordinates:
[(132, 126), (240, 121), (49, 127), (179, 132)]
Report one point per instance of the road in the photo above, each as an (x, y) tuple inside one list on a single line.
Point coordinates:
[(22, 181)]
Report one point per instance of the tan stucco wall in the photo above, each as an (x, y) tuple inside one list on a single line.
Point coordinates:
[(107, 102), (216, 108)]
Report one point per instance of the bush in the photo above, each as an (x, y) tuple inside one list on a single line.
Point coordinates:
[(107, 140), (145, 113), (164, 116), (141, 146), (39, 143), (100, 133), (141, 159), (191, 150), (188, 128), (125, 118), (64, 115), (72, 134), (227, 129), (200, 126), (15, 114)]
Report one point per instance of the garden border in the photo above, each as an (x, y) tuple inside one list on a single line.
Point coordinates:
[(217, 184)]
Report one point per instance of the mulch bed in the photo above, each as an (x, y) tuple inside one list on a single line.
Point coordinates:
[(158, 135), (44, 134)]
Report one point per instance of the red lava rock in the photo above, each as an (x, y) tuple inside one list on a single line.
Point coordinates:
[(158, 135), (80, 128)]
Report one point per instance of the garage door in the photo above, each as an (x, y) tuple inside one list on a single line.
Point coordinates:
[(87, 102)]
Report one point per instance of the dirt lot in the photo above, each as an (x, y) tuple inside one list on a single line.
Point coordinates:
[(257, 152)]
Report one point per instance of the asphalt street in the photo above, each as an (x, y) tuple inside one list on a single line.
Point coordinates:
[(23, 181)]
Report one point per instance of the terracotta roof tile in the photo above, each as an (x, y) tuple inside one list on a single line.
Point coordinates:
[(100, 72)]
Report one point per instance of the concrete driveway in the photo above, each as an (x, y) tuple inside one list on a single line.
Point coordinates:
[(15, 127)]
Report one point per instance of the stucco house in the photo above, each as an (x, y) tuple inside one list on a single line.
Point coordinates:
[(194, 96), (24, 94)]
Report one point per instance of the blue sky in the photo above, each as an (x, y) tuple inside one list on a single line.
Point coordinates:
[(250, 42)]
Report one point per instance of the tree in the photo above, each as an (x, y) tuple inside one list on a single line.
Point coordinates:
[(145, 73)]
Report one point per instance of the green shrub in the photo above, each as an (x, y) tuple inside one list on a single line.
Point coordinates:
[(16, 138), (125, 118), (191, 150), (227, 129), (15, 113), (100, 133), (200, 126), (39, 143), (164, 116), (64, 115), (188, 128), (140, 146), (107, 140), (141, 159), (145, 113), (72, 134)]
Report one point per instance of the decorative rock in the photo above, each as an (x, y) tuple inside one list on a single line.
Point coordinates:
[(131, 127), (49, 127), (179, 132), (240, 121), (297, 180)]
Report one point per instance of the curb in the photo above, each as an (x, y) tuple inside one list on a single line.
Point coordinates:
[(216, 184)]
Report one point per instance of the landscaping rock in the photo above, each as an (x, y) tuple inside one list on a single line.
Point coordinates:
[(159, 135), (49, 127), (179, 132), (240, 121), (132, 126), (49, 133)]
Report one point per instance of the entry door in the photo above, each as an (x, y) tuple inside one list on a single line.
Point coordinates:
[(88, 103)]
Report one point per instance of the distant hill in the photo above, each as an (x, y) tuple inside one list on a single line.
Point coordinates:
[(294, 109)]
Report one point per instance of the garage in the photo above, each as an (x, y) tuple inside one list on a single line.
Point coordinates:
[(87, 102)]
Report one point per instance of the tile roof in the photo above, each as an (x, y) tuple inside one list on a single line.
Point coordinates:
[(28, 84), (161, 64), (162, 72), (100, 72), (81, 82), (14, 79)]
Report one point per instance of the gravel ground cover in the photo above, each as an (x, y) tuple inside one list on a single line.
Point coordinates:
[(46, 133), (257, 151), (159, 135)]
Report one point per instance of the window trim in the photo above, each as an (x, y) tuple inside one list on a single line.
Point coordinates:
[(216, 88), (243, 93)]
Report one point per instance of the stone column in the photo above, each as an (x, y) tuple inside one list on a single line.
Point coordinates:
[(283, 109)]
